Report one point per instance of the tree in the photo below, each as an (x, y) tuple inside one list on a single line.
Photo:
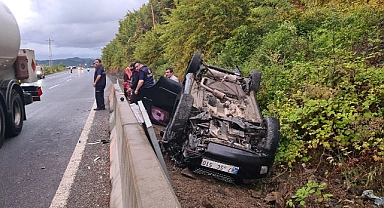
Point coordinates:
[(201, 26)]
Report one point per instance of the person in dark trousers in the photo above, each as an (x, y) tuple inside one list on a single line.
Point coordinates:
[(146, 80), (99, 82), (134, 81)]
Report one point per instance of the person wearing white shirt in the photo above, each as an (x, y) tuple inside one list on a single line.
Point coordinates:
[(169, 74)]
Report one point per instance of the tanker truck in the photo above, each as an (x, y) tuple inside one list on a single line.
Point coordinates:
[(17, 77)]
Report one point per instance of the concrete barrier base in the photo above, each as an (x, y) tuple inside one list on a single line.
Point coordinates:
[(137, 177)]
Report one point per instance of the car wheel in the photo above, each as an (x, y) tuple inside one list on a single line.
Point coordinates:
[(272, 136), (2, 125), (194, 64), (182, 112), (255, 80), (16, 118)]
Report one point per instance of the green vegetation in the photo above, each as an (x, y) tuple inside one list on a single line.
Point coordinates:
[(322, 65), (54, 69), (312, 190)]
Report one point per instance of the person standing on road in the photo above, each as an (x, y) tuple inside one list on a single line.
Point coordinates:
[(146, 80), (169, 74), (99, 82)]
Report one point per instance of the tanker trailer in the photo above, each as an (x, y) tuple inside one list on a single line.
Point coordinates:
[(17, 74)]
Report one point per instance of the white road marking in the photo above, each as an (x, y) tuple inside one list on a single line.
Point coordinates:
[(53, 86), (68, 80), (62, 192)]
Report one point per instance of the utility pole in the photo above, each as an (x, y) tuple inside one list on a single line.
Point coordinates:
[(50, 51)]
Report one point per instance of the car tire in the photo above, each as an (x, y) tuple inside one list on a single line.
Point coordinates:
[(182, 112), (272, 136), (2, 125), (15, 120), (255, 76), (194, 64)]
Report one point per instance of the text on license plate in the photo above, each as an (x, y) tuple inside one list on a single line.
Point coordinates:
[(219, 166)]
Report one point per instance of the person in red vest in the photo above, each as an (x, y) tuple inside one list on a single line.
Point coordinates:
[(128, 81)]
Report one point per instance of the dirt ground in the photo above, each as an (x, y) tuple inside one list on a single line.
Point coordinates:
[(274, 191), (199, 191)]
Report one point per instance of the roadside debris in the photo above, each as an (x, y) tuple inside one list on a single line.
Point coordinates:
[(136, 111), (271, 197), (186, 172), (96, 159), (103, 141), (369, 194)]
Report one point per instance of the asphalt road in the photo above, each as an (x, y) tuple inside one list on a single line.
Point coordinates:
[(32, 164)]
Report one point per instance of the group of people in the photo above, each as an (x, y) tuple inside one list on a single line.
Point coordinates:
[(138, 79)]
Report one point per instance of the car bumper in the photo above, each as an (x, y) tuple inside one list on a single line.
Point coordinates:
[(251, 165)]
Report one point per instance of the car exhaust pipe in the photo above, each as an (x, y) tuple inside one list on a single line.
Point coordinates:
[(215, 92)]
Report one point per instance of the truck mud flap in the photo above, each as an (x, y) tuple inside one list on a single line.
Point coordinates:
[(28, 99)]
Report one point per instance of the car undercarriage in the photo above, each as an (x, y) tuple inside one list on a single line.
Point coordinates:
[(217, 127)]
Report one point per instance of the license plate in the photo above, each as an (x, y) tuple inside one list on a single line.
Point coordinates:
[(219, 166)]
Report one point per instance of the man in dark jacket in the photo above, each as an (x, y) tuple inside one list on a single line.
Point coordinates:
[(146, 80), (134, 82), (99, 82)]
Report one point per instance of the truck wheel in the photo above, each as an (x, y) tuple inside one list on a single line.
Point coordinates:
[(272, 136), (2, 125), (16, 118), (194, 64), (255, 80)]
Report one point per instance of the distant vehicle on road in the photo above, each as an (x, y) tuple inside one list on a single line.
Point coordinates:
[(40, 72)]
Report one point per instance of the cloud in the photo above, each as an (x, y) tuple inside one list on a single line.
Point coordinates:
[(77, 28)]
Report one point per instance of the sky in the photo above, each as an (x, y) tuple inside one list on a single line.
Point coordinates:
[(77, 28)]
